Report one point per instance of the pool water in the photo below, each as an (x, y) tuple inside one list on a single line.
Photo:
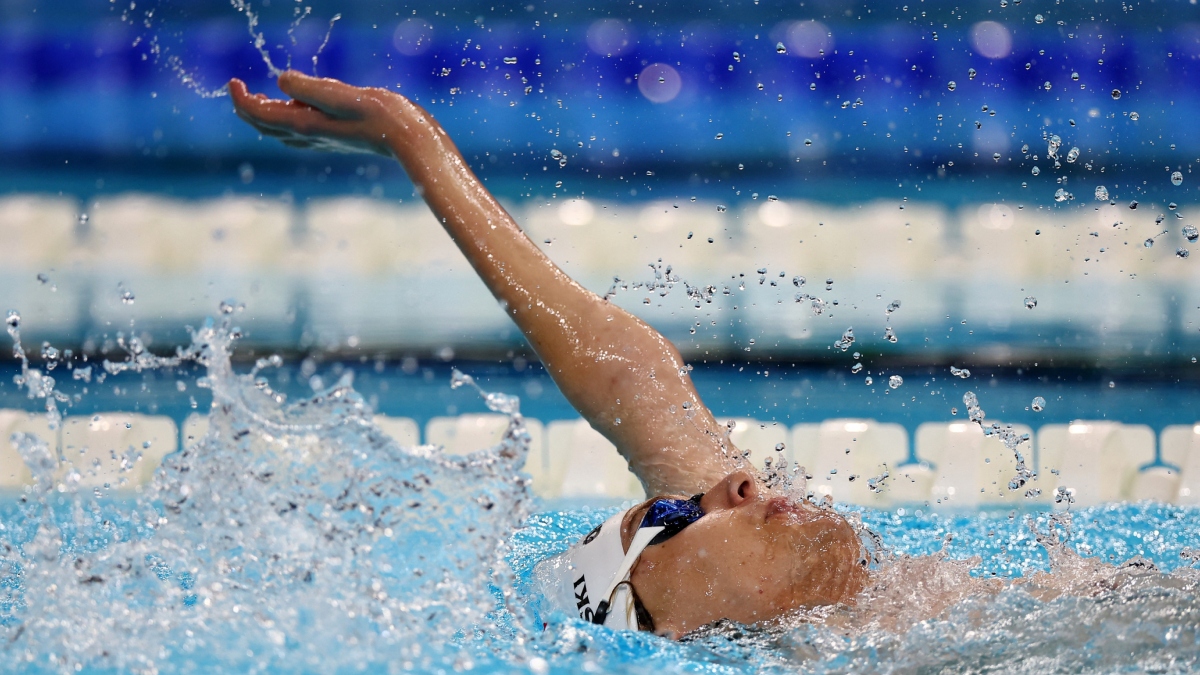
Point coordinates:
[(296, 537)]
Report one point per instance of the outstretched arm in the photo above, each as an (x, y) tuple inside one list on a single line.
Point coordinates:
[(625, 378)]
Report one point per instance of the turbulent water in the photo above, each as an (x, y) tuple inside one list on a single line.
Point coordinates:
[(294, 536), (297, 537)]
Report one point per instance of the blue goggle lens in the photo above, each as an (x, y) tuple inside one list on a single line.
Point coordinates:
[(672, 514)]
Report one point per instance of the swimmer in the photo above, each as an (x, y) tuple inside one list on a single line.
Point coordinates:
[(714, 542)]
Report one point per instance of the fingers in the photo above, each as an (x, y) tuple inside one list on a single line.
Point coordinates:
[(273, 117), (328, 95), (300, 124)]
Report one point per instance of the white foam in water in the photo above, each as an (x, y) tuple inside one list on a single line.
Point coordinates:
[(294, 534)]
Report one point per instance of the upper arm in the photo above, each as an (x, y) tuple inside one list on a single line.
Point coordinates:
[(631, 384)]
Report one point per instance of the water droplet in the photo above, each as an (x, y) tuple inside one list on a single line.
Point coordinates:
[(807, 142), (996, 156), (1134, 116), (127, 297), (1039, 18), (970, 73), (1036, 171), (798, 281), (1061, 195), (510, 60), (1172, 206), (1149, 243), (1116, 94), (1133, 205), (14, 319), (1072, 154), (1190, 233), (890, 335), (83, 219), (1182, 252), (892, 307), (812, 86), (1030, 302), (41, 277), (895, 381), (1101, 193), (719, 136), (856, 368), (779, 48), (846, 341), (558, 155), (868, 381), (1177, 178), (721, 208), (961, 373), (952, 85), (1052, 146), (1075, 76), (1039, 404)]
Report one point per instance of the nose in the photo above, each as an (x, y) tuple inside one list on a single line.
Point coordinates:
[(733, 490)]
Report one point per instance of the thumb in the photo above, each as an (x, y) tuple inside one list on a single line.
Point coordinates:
[(328, 95)]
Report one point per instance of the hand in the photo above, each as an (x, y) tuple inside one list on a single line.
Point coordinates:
[(324, 114)]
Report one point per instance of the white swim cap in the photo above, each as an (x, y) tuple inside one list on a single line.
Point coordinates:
[(591, 578)]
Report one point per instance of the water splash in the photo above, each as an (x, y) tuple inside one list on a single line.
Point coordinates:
[(38, 385), (164, 42), (292, 536), (1011, 440)]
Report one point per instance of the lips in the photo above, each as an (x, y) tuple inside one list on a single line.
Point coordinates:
[(782, 506)]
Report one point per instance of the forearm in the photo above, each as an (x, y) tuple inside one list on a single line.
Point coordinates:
[(624, 377)]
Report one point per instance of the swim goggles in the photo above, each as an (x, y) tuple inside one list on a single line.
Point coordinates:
[(665, 518), (591, 579)]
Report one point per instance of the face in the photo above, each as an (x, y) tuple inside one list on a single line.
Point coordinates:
[(755, 555)]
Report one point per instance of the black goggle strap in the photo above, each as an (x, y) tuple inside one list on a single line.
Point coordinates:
[(641, 539)]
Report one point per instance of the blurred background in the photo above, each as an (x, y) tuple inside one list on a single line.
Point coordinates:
[(1005, 186), (947, 157)]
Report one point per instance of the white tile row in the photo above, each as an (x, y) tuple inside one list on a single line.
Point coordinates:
[(372, 238), (1095, 461), (118, 451), (387, 274)]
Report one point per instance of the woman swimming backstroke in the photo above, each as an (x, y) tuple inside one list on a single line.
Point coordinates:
[(713, 542)]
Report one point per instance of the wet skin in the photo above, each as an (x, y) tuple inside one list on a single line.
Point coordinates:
[(754, 555)]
